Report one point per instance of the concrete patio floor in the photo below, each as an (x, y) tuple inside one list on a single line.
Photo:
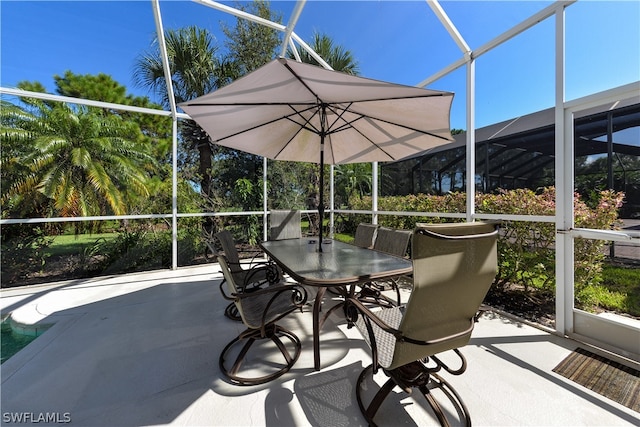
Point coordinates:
[(143, 349)]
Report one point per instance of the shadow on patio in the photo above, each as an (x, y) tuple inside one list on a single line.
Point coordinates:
[(143, 350)]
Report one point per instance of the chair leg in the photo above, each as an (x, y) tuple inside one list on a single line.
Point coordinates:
[(407, 378), (232, 312), (397, 288), (370, 411), (451, 393), (275, 333)]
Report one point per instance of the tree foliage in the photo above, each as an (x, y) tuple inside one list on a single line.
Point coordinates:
[(195, 71), (154, 130), (238, 175), (337, 56), (85, 164), (251, 45)]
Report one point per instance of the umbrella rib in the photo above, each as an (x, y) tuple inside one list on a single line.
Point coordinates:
[(307, 121), (287, 143), (362, 116), (303, 83), (305, 125), (287, 117), (245, 104), (347, 125)]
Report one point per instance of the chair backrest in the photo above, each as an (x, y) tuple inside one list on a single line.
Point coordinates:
[(453, 267), (230, 251), (394, 242), (285, 224), (234, 288), (365, 235)]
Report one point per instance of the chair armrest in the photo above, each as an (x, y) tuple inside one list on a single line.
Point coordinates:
[(353, 306), (272, 296), (353, 302), (251, 276), (272, 274), (269, 271), (224, 294)]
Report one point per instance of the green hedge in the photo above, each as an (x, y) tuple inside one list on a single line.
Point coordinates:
[(525, 249)]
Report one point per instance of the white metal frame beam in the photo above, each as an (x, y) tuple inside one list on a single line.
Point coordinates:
[(174, 132), (448, 25), (293, 19), (506, 36), (564, 187), (469, 60), (88, 102)]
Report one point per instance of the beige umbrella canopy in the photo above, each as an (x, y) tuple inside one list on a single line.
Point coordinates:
[(288, 110)]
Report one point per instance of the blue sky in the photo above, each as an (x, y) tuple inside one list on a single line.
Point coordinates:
[(399, 41)]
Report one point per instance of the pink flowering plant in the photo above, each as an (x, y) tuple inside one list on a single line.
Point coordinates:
[(526, 249)]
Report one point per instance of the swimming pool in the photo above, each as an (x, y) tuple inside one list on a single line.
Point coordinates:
[(14, 341)]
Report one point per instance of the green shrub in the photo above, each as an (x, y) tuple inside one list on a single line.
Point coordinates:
[(525, 249), (24, 250)]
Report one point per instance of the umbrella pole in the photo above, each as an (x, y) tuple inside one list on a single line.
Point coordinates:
[(321, 204), (323, 126)]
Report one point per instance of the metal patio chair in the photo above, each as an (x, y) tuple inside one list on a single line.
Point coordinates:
[(394, 242), (453, 268), (247, 276), (365, 235), (285, 224), (259, 311)]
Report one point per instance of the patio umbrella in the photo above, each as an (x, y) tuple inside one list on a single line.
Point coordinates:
[(288, 110)]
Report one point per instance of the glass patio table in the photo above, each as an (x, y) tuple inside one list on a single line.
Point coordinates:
[(338, 265)]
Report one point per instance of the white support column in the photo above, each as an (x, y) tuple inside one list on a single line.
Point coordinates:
[(471, 138), (174, 193), (564, 188), (374, 192), (174, 111)]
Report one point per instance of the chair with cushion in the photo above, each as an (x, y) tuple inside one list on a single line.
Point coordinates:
[(394, 242), (242, 362), (365, 235), (453, 268), (285, 224), (247, 276)]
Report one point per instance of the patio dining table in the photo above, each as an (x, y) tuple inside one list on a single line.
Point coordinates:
[(340, 265)]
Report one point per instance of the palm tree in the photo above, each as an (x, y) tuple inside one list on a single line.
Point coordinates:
[(353, 179), (86, 164), (195, 71), (336, 56)]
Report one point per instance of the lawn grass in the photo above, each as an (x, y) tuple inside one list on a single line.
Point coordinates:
[(75, 244), (622, 285), (347, 238)]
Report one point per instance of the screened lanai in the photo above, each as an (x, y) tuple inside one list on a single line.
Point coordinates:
[(520, 152), (545, 48)]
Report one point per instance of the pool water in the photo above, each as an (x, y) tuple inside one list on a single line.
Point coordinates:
[(12, 342)]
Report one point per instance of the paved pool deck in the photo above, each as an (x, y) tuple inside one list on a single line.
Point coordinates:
[(142, 350)]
